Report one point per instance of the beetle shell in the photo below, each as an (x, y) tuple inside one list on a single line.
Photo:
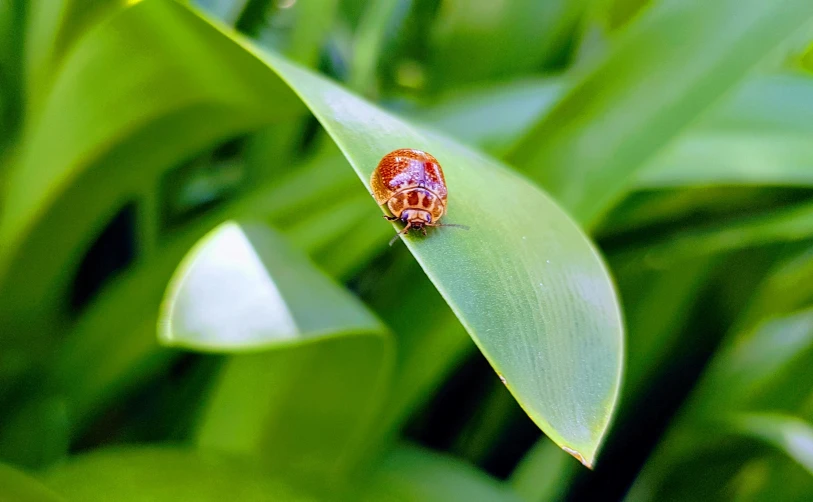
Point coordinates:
[(411, 184)]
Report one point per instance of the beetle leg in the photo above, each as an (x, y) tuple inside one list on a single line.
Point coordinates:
[(423, 229)]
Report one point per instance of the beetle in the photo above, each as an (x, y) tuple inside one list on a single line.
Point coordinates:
[(411, 183)]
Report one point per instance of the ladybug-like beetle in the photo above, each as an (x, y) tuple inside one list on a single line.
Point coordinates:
[(411, 184)]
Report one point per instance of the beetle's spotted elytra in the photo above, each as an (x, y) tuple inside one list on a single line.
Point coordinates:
[(411, 183)]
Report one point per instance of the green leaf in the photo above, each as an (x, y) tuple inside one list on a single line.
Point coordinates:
[(305, 409), (36, 435), (53, 27), (656, 303), (525, 281), (97, 134), (164, 474), (159, 473), (544, 473), (791, 435), (17, 486), (759, 136), (370, 37), (789, 224), (502, 38), (787, 288), (531, 291), (667, 68), (243, 287), (227, 11), (492, 118), (413, 474), (757, 369)]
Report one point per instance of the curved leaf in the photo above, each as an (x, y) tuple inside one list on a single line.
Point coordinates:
[(525, 281), (791, 435), (243, 287), (306, 408)]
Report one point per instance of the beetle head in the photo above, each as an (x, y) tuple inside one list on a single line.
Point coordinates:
[(416, 218)]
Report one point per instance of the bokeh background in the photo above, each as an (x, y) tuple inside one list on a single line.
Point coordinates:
[(679, 134)]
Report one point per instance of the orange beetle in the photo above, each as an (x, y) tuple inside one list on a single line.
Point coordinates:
[(411, 184)]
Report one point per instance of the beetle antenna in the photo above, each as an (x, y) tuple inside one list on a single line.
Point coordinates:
[(464, 227), (405, 230)]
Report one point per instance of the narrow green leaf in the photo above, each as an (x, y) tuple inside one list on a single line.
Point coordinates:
[(758, 136), (371, 34), (791, 224), (664, 71), (16, 486), (656, 304), (756, 370), (243, 287), (165, 474), (530, 291), (787, 288), (544, 473), (791, 435)]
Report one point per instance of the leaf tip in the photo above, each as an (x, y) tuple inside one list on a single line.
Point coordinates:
[(578, 456)]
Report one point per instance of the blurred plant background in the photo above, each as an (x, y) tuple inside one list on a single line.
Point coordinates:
[(678, 134)]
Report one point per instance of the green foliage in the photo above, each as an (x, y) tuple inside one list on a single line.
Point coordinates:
[(197, 301)]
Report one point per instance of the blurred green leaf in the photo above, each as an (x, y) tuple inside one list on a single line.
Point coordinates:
[(16, 486), (787, 288), (501, 39), (408, 474), (792, 436), (760, 135), (314, 19), (663, 71), (374, 27), (243, 287), (544, 473), (411, 474), (496, 289), (103, 131), (227, 11), (790, 224), (305, 409), (36, 435), (52, 29), (168, 474), (656, 303), (134, 300), (492, 117), (757, 368)]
